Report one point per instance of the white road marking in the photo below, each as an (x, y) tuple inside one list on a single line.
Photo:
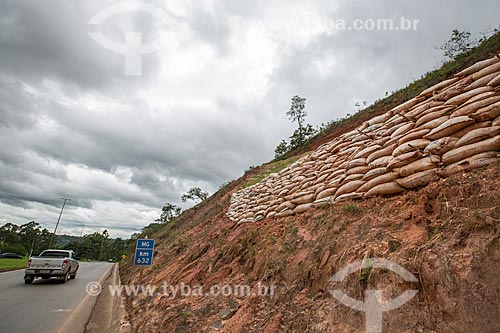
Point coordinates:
[(61, 310)]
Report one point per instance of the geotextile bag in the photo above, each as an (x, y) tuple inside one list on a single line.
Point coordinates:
[(422, 164), (449, 127), (387, 188), (463, 152), (473, 162), (419, 179), (477, 135)]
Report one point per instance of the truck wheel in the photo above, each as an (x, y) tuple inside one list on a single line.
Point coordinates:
[(29, 280), (65, 278)]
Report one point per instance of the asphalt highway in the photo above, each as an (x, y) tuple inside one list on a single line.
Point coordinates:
[(45, 305)]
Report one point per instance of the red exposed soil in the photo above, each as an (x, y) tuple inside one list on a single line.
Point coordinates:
[(446, 234)]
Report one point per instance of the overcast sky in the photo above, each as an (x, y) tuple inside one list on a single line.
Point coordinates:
[(210, 100)]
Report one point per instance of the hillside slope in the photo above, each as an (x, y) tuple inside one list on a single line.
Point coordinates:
[(447, 234)]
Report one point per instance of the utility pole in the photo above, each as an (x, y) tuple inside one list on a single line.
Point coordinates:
[(79, 241), (58, 220)]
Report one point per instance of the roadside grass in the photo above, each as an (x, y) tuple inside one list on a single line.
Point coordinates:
[(11, 264)]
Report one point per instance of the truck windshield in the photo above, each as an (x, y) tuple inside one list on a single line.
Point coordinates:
[(54, 254)]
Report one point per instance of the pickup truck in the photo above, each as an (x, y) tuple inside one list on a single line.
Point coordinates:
[(52, 263)]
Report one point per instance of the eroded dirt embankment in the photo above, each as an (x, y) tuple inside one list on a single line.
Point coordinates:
[(447, 234)]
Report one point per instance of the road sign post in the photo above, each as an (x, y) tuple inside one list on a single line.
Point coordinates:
[(144, 254)]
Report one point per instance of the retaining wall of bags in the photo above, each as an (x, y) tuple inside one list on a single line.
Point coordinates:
[(448, 128)]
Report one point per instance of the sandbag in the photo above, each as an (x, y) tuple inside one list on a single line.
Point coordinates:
[(480, 97), (419, 179), (352, 177), (422, 164), (440, 146), (380, 119), (402, 130), (356, 163), (380, 162), (463, 152), (470, 108), (439, 112), (367, 151), (482, 81), (336, 182), (410, 146), (285, 212), (459, 99), (393, 128), (285, 205), (473, 162), (348, 196), (413, 134), (304, 199), (496, 121), (418, 110), (271, 214), (349, 187), (404, 159), (382, 152), (326, 193), (374, 173), (449, 127), (477, 66), (302, 208), (494, 82), (388, 177), (335, 173), (438, 87), (402, 108), (477, 135), (434, 123), (489, 112), (358, 170), (469, 128), (385, 189), (485, 71)]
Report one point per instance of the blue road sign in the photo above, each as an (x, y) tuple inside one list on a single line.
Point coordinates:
[(143, 257), (144, 252), (145, 244)]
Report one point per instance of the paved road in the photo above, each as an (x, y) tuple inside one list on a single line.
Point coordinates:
[(43, 306)]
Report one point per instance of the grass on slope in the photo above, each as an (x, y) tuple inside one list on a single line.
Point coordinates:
[(269, 168)]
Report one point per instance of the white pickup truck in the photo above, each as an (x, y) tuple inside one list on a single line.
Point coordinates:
[(52, 263)]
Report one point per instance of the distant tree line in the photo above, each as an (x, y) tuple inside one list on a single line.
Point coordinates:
[(30, 239), (24, 239)]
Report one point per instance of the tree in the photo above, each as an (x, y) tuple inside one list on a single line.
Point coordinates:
[(9, 235), (297, 113), (301, 135), (194, 194), (459, 42), (168, 213), (281, 149), (29, 234)]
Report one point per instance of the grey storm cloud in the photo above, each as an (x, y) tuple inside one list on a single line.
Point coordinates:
[(207, 106)]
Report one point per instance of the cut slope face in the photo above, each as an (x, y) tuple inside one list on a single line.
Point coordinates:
[(450, 127)]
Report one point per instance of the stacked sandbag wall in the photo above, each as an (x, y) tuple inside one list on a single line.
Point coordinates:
[(448, 128)]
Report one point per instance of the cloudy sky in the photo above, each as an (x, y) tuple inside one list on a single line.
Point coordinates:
[(210, 99)]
